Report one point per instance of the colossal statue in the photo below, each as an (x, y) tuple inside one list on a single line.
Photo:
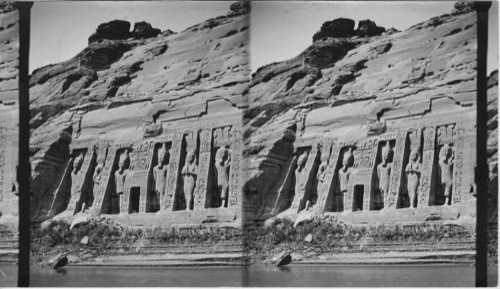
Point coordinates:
[(345, 172), (189, 174), (121, 174), (101, 158), (413, 170), (222, 163), (160, 172), (122, 171), (77, 164), (446, 159), (384, 172)]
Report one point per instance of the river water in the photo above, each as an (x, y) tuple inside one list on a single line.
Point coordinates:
[(289, 276)]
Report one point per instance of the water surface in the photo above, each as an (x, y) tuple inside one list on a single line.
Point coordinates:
[(289, 276)]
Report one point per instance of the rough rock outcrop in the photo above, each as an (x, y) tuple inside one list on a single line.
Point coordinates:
[(368, 28), (116, 29), (144, 30), (340, 27)]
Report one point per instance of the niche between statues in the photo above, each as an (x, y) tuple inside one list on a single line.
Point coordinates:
[(219, 172), (114, 194)]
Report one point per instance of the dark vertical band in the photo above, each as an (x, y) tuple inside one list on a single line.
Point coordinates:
[(24, 169), (481, 176)]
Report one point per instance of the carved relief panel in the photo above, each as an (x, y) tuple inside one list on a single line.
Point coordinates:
[(426, 177)]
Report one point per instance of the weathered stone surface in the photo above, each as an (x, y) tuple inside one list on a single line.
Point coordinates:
[(85, 240), (144, 30), (340, 27), (9, 113), (365, 93), (134, 92), (368, 28), (116, 29)]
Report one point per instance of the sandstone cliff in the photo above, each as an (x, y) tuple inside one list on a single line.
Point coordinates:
[(351, 85), (129, 85), (9, 113)]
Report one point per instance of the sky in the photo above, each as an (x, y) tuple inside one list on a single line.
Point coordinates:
[(279, 30), (59, 30)]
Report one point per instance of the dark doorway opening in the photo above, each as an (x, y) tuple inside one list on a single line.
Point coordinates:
[(358, 198), (135, 196)]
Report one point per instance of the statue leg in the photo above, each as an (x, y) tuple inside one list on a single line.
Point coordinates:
[(224, 196), (344, 194)]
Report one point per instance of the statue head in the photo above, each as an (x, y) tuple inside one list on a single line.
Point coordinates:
[(162, 154), (301, 162), (124, 161), (414, 154), (386, 152), (445, 152), (348, 157), (191, 156), (77, 163), (221, 154), (101, 155)]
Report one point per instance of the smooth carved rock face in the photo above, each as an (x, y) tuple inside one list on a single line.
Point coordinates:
[(446, 159), (413, 170), (189, 174)]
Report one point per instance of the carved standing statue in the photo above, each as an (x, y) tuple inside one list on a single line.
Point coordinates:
[(413, 171), (446, 160), (189, 174), (160, 173), (222, 162), (344, 174), (77, 165), (101, 158), (121, 174), (320, 176), (384, 173), (299, 172)]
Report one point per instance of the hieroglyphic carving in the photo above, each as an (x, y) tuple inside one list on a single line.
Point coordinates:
[(344, 173), (120, 177), (222, 136), (397, 169), (200, 194), (427, 167), (458, 178), (173, 173), (235, 181)]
